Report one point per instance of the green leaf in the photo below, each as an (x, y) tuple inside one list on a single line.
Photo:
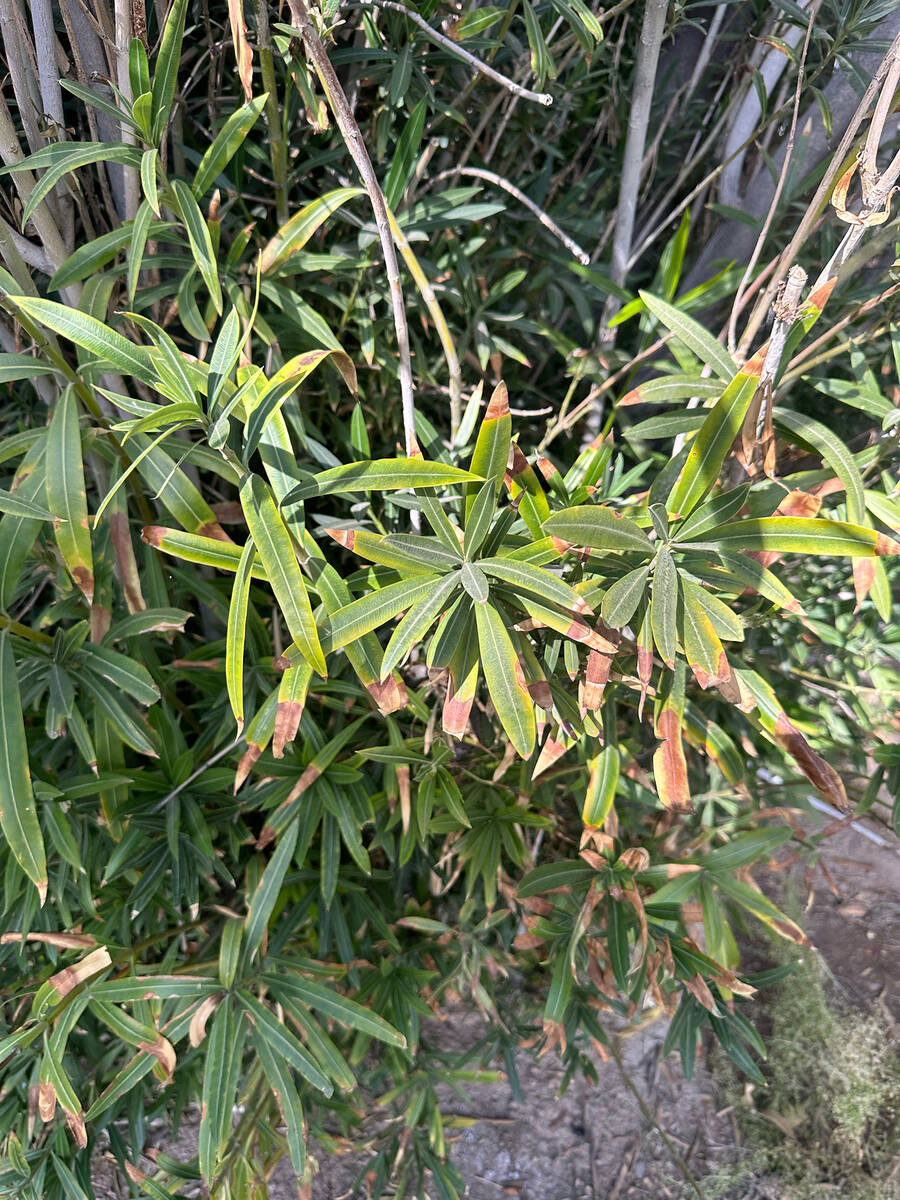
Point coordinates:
[(268, 891), (14, 367), (669, 388), (602, 783), (149, 160), (359, 617), (175, 490), (133, 732), (379, 475), (491, 453), (18, 817), (504, 678), (200, 240), (713, 512), (59, 158), (598, 529), (692, 334), (336, 1007), (473, 580), (620, 601), (276, 550), (702, 647), (96, 100), (801, 535), (541, 62), (754, 575), (236, 632), (526, 577), (567, 873), (818, 436), (193, 547), (116, 352), (11, 503), (664, 606), (404, 155), (66, 494), (714, 440), (226, 144), (282, 384), (217, 1097), (121, 672), (294, 235), (165, 75), (478, 519), (279, 1079), (283, 1043), (140, 231), (138, 67), (417, 622)]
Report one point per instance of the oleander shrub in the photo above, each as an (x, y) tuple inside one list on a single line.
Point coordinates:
[(354, 668)]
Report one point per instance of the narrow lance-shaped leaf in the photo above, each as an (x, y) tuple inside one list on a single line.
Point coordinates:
[(505, 680), (358, 618), (801, 535), (664, 606), (66, 494), (379, 475), (491, 453), (702, 647), (337, 1007), (264, 899), (714, 439), (279, 1079), (601, 790), (92, 335), (620, 601), (59, 158), (200, 240), (235, 632), (165, 76), (283, 383), (192, 547), (225, 144), (217, 1097), (417, 622), (276, 549), (18, 816), (693, 335), (294, 235)]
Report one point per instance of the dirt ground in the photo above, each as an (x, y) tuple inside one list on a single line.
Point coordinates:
[(595, 1143)]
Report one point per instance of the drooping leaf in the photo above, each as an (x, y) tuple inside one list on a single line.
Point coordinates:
[(18, 816)]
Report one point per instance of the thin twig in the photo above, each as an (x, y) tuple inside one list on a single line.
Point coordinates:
[(210, 762), (677, 1157), (498, 181), (481, 67), (353, 139)]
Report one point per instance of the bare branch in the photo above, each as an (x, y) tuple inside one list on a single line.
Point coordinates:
[(481, 67), (498, 181), (353, 138)]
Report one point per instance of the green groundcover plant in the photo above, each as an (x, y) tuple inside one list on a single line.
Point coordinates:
[(335, 686)]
